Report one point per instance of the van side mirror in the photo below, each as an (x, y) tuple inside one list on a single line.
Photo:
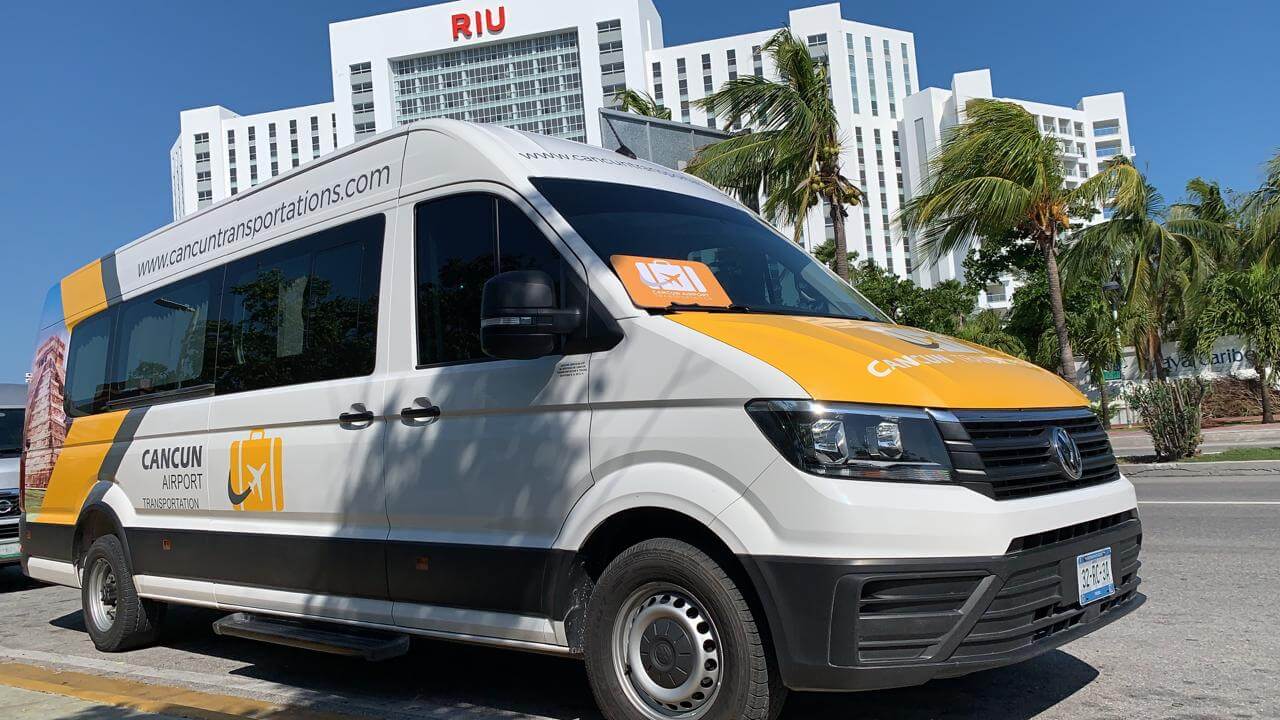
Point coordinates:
[(519, 319)]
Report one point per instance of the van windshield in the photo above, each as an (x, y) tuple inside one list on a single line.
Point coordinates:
[(11, 431), (760, 270)]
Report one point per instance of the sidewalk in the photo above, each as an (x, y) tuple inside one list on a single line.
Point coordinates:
[(1128, 443), (33, 692), (19, 704)]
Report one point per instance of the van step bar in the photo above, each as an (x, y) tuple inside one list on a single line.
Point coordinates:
[(322, 637)]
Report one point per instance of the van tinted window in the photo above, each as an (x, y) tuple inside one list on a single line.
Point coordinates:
[(457, 241), (304, 311), (87, 388), (161, 339)]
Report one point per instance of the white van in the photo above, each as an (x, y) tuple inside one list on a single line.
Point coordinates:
[(13, 403), (468, 383)]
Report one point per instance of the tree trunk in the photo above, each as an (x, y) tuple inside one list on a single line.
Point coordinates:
[(842, 248), (1102, 400), (1265, 374), (1068, 361)]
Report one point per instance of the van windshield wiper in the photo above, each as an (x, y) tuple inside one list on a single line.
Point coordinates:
[(698, 307)]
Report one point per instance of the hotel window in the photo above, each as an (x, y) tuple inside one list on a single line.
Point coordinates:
[(708, 84), (293, 142), (362, 99), (493, 83), (757, 61), (731, 57), (613, 78), (853, 71), (906, 68), (888, 79), (231, 160), (817, 47), (902, 198), (657, 82), (204, 198), (204, 176), (871, 77), (683, 81), (315, 137), (271, 138), (862, 183), (884, 200), (201, 142)]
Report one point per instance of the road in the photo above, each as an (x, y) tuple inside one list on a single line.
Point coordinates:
[(1133, 443), (1204, 646)]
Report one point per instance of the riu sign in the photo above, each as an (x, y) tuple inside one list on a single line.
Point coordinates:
[(475, 24)]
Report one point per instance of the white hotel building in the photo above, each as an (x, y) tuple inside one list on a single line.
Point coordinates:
[(1096, 129), (549, 66)]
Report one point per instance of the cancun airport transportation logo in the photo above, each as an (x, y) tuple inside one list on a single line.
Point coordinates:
[(256, 480), (659, 282), (666, 276)]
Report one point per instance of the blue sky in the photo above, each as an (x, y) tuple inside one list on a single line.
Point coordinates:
[(95, 88)]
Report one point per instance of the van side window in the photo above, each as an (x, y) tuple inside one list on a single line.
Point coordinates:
[(161, 339), (460, 242), (87, 388), (303, 312)]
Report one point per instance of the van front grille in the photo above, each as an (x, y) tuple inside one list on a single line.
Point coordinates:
[(1007, 454)]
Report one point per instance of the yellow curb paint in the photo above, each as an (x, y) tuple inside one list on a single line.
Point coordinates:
[(157, 699)]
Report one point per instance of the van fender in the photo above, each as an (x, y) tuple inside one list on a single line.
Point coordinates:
[(683, 484), (104, 505)]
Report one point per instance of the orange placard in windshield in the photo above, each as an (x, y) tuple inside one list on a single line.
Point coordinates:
[(659, 283)]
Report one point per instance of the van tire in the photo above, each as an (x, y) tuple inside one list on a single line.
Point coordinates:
[(748, 685), (131, 622)]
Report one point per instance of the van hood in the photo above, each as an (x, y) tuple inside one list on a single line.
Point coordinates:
[(838, 360)]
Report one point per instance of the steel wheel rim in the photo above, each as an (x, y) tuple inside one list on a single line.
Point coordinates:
[(103, 595), (666, 653)]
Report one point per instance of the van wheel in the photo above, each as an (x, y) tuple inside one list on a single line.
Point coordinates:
[(669, 635), (117, 619)]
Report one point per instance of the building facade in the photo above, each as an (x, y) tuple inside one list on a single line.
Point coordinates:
[(552, 66), (1090, 133), (219, 153), (544, 67)]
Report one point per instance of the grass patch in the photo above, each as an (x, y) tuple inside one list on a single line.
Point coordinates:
[(1255, 453)]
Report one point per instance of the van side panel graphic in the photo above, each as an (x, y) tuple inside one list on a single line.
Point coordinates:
[(256, 482), (84, 293), (93, 449)]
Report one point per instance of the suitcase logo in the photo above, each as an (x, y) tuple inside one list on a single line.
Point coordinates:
[(256, 480)]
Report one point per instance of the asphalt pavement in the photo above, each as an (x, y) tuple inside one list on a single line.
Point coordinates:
[(1204, 645)]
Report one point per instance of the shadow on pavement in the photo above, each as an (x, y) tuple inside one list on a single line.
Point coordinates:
[(12, 580), (466, 680)]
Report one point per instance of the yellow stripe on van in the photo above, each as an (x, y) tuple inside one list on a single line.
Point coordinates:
[(83, 294), (88, 442), (838, 360)]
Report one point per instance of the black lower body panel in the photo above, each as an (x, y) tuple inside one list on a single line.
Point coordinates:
[(841, 625)]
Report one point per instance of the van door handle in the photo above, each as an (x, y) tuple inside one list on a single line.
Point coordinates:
[(417, 413), (362, 416)]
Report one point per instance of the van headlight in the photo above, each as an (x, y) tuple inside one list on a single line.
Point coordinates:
[(855, 441)]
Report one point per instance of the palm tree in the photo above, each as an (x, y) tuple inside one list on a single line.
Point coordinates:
[(987, 328), (1159, 255), (996, 176), (642, 103), (1244, 302), (1261, 212), (793, 153)]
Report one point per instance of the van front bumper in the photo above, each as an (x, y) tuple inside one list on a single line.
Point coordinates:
[(844, 625)]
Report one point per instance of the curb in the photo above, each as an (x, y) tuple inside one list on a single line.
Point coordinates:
[(1207, 468)]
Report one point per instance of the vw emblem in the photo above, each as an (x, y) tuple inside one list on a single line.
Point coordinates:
[(1066, 453)]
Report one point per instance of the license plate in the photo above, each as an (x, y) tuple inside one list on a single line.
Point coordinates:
[(8, 548), (1094, 571)]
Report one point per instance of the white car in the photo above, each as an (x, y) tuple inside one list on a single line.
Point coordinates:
[(464, 382), (13, 402)]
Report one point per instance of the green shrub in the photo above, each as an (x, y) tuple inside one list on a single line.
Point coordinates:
[(1170, 410)]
